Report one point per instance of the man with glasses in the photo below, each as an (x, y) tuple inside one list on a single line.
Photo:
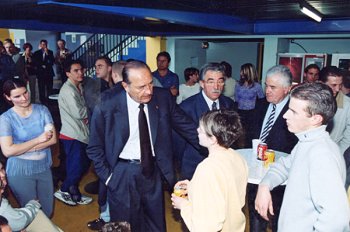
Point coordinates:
[(212, 81)]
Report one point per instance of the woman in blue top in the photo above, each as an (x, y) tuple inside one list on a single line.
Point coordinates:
[(247, 92), (26, 134)]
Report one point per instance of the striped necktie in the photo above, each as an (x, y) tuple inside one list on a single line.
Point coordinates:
[(268, 124)]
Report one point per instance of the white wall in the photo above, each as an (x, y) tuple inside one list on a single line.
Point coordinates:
[(235, 53), (188, 53), (34, 38)]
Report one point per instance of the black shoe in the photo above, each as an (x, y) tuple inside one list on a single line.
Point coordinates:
[(92, 187), (96, 224)]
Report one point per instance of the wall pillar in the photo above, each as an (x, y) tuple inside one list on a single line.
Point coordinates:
[(272, 46), (154, 45)]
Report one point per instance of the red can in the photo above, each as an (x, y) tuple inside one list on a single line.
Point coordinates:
[(262, 147)]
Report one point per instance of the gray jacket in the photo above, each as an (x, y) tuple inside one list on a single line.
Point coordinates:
[(73, 112)]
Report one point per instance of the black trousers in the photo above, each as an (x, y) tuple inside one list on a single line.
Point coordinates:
[(257, 223), (45, 84), (136, 199), (102, 195)]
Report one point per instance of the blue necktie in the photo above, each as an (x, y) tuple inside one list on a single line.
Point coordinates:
[(213, 106)]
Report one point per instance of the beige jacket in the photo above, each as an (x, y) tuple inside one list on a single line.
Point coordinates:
[(216, 194)]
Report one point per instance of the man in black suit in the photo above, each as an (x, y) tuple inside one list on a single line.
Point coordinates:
[(135, 191), (277, 137), (44, 60), (212, 81)]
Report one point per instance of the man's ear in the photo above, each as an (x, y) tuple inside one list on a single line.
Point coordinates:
[(201, 83), (317, 119), (125, 86)]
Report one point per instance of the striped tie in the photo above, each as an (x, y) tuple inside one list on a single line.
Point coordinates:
[(268, 124)]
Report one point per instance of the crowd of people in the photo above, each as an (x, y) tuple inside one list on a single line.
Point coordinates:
[(144, 132)]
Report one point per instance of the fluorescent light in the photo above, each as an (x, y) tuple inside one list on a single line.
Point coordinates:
[(312, 13), (152, 19)]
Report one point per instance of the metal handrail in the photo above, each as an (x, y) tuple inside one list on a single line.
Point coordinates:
[(113, 46)]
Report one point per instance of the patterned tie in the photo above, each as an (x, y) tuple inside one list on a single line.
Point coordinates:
[(145, 144), (268, 124), (213, 106)]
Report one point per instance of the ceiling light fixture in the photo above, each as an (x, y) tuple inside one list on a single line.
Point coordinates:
[(152, 19), (310, 11)]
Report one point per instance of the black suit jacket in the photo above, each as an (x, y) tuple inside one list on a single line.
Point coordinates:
[(44, 66), (110, 131), (279, 138)]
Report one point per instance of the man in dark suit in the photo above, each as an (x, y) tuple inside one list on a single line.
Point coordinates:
[(135, 187), (212, 81), (44, 60), (276, 136)]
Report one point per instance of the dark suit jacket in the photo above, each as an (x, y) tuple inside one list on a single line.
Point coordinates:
[(93, 87), (279, 138), (194, 107), (110, 131), (44, 67)]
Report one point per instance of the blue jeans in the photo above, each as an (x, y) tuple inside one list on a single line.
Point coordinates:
[(37, 186), (77, 162)]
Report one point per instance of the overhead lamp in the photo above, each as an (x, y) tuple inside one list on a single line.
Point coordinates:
[(310, 11), (152, 19)]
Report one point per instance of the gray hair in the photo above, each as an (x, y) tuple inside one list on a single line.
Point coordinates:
[(216, 67), (284, 73), (134, 64)]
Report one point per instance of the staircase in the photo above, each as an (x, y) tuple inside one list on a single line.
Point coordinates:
[(116, 47)]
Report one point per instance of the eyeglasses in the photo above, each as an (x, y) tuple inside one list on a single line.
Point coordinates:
[(212, 83)]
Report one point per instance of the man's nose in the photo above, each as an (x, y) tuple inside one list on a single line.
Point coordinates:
[(148, 89)]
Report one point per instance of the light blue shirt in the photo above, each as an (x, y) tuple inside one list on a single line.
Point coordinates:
[(23, 129)]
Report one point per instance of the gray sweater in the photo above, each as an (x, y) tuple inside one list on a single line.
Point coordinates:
[(315, 197), (19, 218)]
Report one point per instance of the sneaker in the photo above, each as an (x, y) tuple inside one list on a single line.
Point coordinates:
[(64, 197), (96, 224), (84, 200)]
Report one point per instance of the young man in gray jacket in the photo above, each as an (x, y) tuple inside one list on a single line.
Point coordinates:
[(315, 197), (74, 134)]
